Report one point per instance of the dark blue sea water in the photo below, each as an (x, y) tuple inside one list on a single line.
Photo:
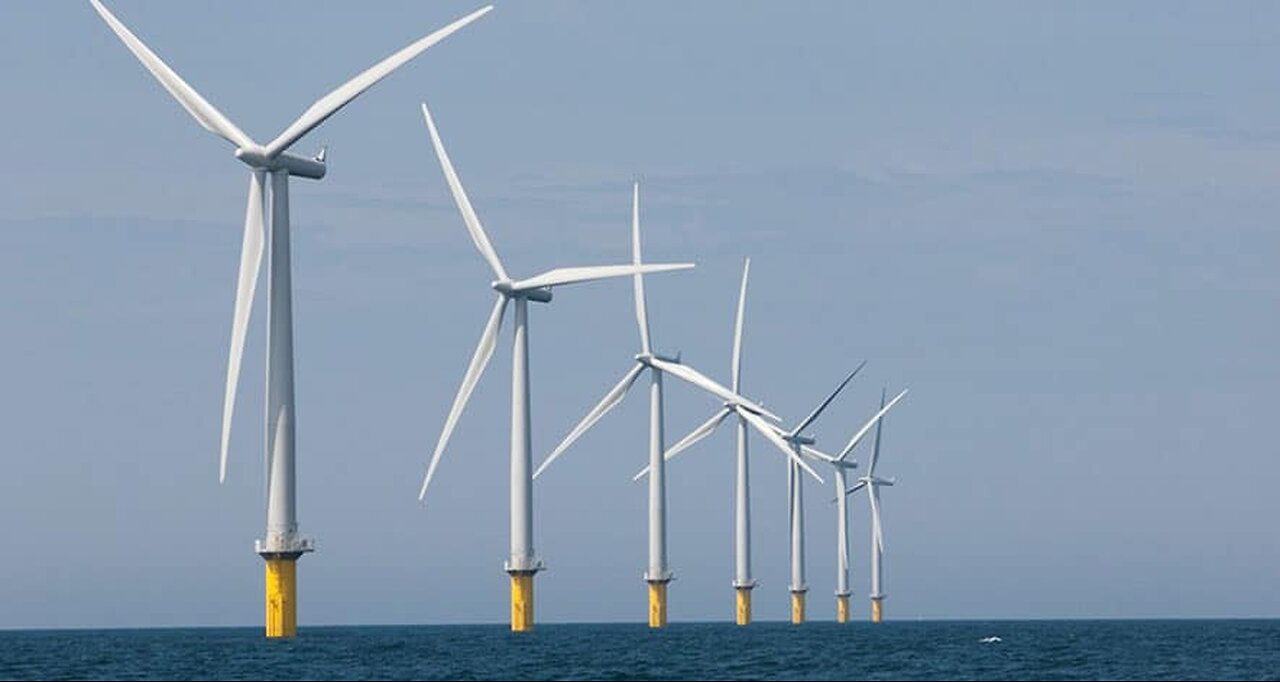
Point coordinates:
[(1061, 650)]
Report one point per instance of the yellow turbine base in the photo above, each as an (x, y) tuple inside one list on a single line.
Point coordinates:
[(842, 608), (282, 597), (744, 605), (521, 602), (797, 608), (658, 604), (876, 613)]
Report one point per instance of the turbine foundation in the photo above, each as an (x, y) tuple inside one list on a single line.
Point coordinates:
[(658, 603), (797, 607), (743, 610), (876, 613), (521, 600), (842, 608), (282, 596)]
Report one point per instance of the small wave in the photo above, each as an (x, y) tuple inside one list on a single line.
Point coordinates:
[(990, 640)]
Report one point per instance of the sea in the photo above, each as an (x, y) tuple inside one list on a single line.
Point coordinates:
[(895, 650)]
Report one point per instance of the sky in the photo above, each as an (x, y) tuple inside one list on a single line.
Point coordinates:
[(1054, 223)]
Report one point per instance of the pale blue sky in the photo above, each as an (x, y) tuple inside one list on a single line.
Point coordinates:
[(1053, 222)]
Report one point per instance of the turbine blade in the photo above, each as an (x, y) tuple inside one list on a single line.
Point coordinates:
[(817, 411), (590, 273), (328, 105), (843, 547), (610, 401), (857, 437), (737, 329), (860, 485), (791, 501), (484, 351), (875, 517), (204, 113), (763, 427), (464, 204), (246, 283), (875, 454), (702, 431), (642, 313), (693, 376)]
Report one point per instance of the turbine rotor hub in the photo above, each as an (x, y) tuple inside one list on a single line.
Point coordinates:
[(257, 158), (507, 288)]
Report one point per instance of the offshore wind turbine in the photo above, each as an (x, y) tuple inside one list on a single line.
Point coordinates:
[(872, 483), (522, 564), (658, 574), (791, 444), (283, 544), (842, 464), (799, 443)]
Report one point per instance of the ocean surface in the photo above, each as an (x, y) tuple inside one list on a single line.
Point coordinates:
[(953, 650)]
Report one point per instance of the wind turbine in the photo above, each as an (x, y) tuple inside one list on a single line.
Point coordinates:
[(283, 544), (842, 464), (522, 563), (790, 443), (658, 573), (799, 443), (872, 483)]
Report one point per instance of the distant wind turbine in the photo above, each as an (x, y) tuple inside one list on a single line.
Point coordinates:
[(283, 544), (790, 443), (800, 443), (872, 483), (842, 464), (658, 573), (522, 563)]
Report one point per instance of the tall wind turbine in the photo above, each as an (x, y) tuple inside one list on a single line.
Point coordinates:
[(658, 573), (790, 443), (283, 544), (522, 563), (872, 483), (841, 463)]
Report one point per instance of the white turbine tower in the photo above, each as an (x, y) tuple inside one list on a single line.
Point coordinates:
[(841, 463), (658, 573), (872, 483), (522, 563), (790, 443), (283, 544)]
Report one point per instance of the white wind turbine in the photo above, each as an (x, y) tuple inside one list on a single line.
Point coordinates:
[(841, 463), (658, 573), (800, 444), (872, 483), (283, 544), (522, 563), (791, 443)]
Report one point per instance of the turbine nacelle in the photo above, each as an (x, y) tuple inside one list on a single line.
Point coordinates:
[(799, 439), (647, 359), (300, 166), (510, 289)]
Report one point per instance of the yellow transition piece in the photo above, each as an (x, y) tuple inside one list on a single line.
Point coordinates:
[(797, 607), (744, 605), (658, 604), (282, 597), (521, 601)]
